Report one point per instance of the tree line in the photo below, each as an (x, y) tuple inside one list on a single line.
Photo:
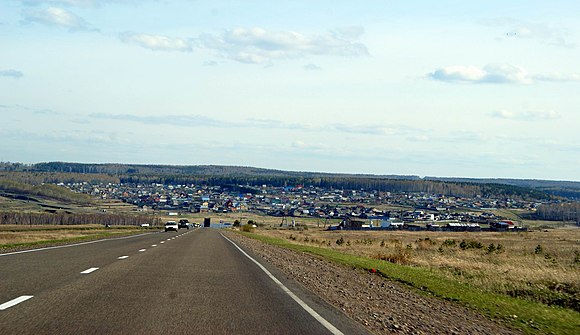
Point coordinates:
[(212, 175), (559, 212), (66, 219)]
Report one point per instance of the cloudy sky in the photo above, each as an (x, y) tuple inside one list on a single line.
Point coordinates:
[(429, 88)]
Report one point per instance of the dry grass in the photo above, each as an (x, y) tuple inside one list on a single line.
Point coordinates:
[(508, 263), (19, 234)]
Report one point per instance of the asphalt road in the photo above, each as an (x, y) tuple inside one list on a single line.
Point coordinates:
[(190, 282)]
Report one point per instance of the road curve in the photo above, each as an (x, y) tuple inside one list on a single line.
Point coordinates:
[(190, 282)]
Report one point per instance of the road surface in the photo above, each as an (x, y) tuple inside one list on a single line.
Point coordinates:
[(189, 282)]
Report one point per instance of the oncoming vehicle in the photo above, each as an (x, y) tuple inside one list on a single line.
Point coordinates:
[(171, 225)]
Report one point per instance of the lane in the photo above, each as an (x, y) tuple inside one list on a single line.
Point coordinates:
[(22, 273), (195, 283)]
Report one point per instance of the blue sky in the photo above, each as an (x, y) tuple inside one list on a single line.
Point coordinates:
[(429, 88)]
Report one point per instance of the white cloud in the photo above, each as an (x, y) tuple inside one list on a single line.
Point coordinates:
[(156, 42), (496, 74), (205, 121), (75, 3), (11, 73), (492, 73), (514, 29), (259, 46), (58, 17), (557, 77), (525, 116), (312, 67)]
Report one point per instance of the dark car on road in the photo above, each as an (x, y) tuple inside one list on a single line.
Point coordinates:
[(183, 223)]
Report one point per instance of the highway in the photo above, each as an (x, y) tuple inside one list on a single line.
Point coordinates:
[(190, 282)]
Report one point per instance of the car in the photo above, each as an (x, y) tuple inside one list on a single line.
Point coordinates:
[(171, 225), (183, 223)]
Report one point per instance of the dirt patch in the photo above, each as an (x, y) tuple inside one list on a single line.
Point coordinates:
[(381, 306)]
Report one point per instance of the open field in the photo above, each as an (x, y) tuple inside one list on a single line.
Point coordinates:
[(541, 266)]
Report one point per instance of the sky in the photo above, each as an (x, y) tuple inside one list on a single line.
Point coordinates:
[(484, 89)]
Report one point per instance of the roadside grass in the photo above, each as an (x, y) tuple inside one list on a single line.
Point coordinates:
[(35, 237), (529, 316)]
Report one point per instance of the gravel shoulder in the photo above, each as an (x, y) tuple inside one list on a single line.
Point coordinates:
[(381, 306)]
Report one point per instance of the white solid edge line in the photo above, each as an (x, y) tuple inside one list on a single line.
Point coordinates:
[(15, 302), (302, 304), (70, 245), (89, 270)]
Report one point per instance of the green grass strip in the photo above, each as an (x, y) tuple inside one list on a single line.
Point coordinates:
[(530, 317)]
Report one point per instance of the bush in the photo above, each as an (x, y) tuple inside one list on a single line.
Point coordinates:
[(247, 228), (464, 245), (449, 243), (400, 256)]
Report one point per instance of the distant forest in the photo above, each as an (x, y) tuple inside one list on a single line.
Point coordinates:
[(214, 175)]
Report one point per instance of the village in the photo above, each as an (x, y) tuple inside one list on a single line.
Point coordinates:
[(353, 209)]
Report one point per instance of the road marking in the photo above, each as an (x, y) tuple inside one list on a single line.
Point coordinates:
[(87, 271), (141, 250), (13, 302), (153, 245), (122, 257), (302, 304), (71, 245), (162, 242)]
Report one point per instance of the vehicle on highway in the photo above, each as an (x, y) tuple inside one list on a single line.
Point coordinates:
[(171, 225), (183, 223)]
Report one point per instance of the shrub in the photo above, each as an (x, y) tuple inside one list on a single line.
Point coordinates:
[(464, 245), (247, 228), (449, 243), (400, 256)]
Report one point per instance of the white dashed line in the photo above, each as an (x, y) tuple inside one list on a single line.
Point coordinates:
[(141, 250), (122, 257), (15, 302), (162, 242), (153, 245), (87, 271)]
